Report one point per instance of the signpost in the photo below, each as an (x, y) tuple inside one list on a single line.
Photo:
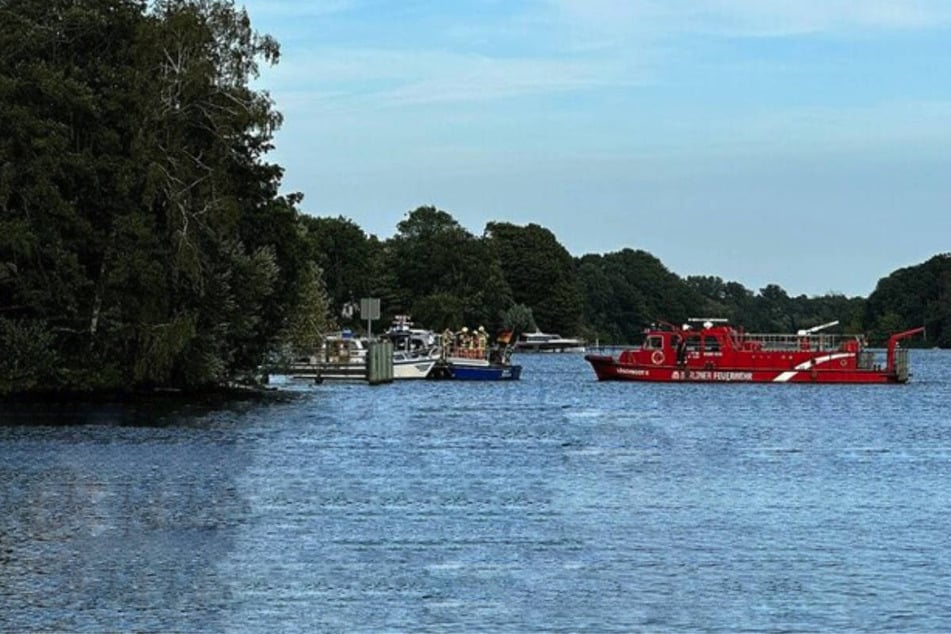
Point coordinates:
[(370, 310)]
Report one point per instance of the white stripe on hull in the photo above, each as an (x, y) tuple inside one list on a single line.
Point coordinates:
[(783, 377)]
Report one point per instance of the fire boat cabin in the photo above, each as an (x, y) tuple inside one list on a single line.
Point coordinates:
[(714, 351)]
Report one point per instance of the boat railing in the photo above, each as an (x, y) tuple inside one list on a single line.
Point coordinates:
[(791, 342)]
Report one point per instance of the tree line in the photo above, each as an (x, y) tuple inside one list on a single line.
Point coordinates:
[(144, 242), (521, 277)]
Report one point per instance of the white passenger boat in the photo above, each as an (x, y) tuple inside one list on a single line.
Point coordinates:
[(547, 342)]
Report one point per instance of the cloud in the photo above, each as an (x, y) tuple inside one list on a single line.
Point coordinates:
[(298, 9), (750, 17), (897, 130), (382, 78), (906, 126), (481, 51)]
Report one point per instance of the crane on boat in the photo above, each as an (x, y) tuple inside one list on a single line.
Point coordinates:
[(815, 329)]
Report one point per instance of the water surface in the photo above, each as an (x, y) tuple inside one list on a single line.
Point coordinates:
[(556, 503)]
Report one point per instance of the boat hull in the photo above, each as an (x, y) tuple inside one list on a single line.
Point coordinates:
[(546, 342), (465, 372), (607, 368), (549, 347), (490, 373), (412, 368)]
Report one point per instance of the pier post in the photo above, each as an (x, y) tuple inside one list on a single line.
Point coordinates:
[(380, 363)]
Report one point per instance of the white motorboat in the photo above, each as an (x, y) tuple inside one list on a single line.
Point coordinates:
[(415, 350), (547, 342)]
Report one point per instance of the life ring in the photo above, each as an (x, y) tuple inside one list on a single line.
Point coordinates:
[(657, 357), (843, 363)]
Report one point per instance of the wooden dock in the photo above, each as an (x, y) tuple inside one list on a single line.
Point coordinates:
[(375, 368)]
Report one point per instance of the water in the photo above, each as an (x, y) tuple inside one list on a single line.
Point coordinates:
[(553, 504)]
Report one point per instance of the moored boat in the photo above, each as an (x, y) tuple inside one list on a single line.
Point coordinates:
[(469, 370), (342, 357), (548, 342), (716, 352), (468, 357), (415, 350)]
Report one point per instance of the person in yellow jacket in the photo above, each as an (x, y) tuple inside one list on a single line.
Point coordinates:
[(446, 341)]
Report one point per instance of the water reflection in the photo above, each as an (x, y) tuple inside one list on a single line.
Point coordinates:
[(117, 517)]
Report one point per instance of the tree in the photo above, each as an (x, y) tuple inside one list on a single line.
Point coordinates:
[(311, 319), (142, 234), (519, 319), (630, 289), (599, 301), (541, 274), (443, 275), (349, 258), (774, 310), (913, 296)]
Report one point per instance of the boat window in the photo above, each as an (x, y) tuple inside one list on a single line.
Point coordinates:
[(654, 342), (693, 343), (711, 344)]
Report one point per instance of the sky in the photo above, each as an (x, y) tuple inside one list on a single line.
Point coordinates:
[(804, 143)]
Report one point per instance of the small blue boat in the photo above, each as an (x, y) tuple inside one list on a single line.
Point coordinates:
[(470, 372), (469, 358)]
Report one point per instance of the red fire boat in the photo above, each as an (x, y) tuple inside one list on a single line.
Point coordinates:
[(715, 352)]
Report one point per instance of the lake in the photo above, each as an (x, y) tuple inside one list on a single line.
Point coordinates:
[(555, 503)]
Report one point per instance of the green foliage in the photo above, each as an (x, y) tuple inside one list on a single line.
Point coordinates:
[(627, 290), (442, 273), (143, 241), (772, 310), (914, 296), (139, 228), (519, 319), (160, 348), (433, 266), (29, 360), (351, 260), (541, 274), (310, 318), (440, 311), (722, 299)]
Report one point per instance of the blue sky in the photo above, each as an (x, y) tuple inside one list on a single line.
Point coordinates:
[(805, 143)]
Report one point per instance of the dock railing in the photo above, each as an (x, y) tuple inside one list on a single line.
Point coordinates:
[(374, 367)]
